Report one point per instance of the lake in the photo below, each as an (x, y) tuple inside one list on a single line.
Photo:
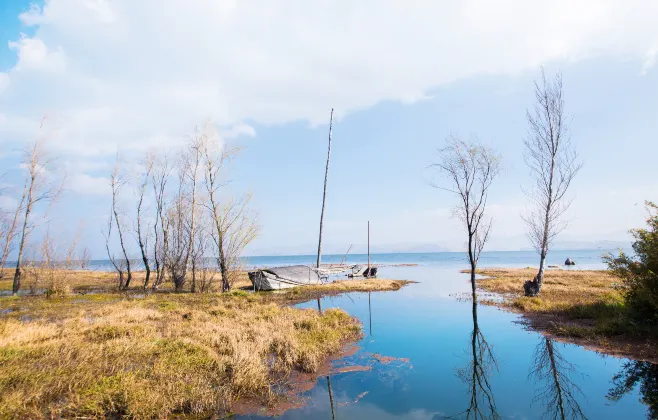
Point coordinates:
[(444, 357)]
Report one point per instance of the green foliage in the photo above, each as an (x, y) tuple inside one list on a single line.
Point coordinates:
[(639, 273)]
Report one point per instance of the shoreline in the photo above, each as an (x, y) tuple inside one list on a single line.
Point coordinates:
[(579, 307), (103, 352)]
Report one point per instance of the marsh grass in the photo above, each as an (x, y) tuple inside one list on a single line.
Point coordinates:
[(166, 354), (97, 352), (583, 304)]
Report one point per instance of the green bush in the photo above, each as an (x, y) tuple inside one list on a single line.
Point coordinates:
[(639, 272)]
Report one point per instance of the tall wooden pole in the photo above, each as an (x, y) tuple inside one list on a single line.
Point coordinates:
[(368, 247), (324, 195)]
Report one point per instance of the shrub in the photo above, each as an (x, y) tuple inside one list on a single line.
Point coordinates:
[(639, 272)]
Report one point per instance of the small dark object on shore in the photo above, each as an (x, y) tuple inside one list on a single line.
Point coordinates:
[(531, 287), (370, 272), (569, 261)]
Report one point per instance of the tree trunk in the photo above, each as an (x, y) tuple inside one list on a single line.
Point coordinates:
[(19, 260)]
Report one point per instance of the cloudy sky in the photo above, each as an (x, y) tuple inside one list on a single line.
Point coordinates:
[(133, 76)]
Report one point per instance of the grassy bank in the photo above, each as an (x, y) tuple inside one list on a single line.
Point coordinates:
[(162, 354), (581, 306)]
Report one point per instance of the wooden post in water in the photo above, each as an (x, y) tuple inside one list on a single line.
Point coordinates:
[(324, 199), (368, 247), (324, 195)]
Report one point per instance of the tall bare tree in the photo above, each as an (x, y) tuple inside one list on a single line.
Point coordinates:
[(471, 168), (233, 225), (116, 182), (8, 232), (178, 244), (193, 159), (142, 236), (39, 187), (553, 164), (160, 179)]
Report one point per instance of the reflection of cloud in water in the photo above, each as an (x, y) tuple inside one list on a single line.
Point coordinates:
[(346, 408)]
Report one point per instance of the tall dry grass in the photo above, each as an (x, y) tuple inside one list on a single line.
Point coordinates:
[(162, 355)]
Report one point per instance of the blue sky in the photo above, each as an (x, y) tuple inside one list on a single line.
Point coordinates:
[(134, 77)]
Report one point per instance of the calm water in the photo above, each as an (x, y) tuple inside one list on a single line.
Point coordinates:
[(454, 357), (584, 258)]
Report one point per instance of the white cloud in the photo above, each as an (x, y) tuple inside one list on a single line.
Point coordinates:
[(649, 60), (87, 185), (138, 74)]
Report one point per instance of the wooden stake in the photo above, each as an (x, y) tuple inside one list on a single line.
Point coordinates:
[(368, 248), (324, 195)]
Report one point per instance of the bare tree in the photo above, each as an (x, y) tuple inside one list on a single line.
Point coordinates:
[(233, 225), (39, 187), (553, 164), (178, 243), (160, 179), (559, 392), (471, 168), (193, 159), (116, 183), (8, 231), (142, 236)]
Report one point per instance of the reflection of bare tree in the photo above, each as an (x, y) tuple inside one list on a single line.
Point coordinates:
[(481, 404), (632, 373), (559, 392)]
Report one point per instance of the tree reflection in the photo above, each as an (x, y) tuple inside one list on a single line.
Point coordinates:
[(559, 393), (632, 373), (476, 374)]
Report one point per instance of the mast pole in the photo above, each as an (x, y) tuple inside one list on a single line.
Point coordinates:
[(368, 248)]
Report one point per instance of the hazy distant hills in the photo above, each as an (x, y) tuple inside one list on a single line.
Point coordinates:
[(311, 249)]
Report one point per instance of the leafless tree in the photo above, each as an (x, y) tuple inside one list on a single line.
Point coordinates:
[(233, 225), (39, 187), (553, 164), (85, 258), (192, 161), (471, 168), (160, 179), (8, 227), (559, 393), (142, 235), (116, 182), (178, 229)]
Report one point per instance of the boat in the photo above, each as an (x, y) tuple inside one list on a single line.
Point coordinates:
[(276, 278)]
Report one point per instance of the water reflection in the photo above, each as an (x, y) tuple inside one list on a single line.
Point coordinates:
[(331, 399), (482, 404), (631, 374), (559, 393)]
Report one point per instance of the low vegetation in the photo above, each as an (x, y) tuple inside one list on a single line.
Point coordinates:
[(161, 354), (586, 306)]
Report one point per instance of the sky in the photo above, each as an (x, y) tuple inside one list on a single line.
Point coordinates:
[(131, 77)]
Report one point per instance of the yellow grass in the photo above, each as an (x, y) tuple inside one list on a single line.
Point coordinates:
[(156, 356), (161, 354), (562, 289)]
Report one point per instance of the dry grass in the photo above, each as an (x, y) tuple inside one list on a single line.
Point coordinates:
[(581, 305), (157, 356), (161, 354), (562, 289)]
